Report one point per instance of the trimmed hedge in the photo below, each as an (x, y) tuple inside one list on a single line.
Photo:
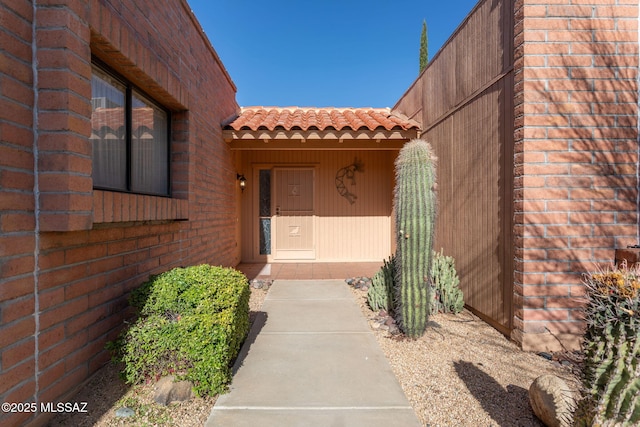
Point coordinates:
[(191, 323)]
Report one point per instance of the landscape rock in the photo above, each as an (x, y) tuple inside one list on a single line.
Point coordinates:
[(546, 355), (552, 400), (261, 283), (167, 390), (362, 283), (125, 412)]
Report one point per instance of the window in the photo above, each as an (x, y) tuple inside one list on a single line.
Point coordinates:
[(130, 135), (265, 212)]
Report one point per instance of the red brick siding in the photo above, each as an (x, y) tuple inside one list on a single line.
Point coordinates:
[(17, 241), (64, 113), (575, 156), (95, 246), (109, 206)]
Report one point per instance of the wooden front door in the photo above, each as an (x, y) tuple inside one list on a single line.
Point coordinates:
[(294, 214)]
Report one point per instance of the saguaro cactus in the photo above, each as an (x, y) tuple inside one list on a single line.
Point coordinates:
[(415, 210)]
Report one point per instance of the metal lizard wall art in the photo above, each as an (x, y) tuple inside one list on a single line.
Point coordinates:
[(348, 172)]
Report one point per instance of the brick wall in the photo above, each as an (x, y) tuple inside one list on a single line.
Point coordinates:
[(67, 267), (17, 240), (576, 154), (64, 116)]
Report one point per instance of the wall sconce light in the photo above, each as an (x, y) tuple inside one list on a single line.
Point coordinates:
[(243, 181)]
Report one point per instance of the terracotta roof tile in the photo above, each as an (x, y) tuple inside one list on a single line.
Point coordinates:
[(288, 118)]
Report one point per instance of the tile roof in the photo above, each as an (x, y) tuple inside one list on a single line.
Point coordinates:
[(296, 118)]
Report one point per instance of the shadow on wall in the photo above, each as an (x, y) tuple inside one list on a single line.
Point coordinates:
[(466, 104), (590, 160)]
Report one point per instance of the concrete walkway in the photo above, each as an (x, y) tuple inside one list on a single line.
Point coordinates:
[(311, 360)]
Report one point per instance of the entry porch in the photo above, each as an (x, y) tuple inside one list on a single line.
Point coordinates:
[(317, 184)]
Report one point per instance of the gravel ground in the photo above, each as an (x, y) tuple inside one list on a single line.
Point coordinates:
[(106, 392), (461, 373)]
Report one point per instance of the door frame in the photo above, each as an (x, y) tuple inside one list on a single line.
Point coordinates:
[(278, 254), (255, 210)]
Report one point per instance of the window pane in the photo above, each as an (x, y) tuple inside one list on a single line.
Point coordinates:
[(149, 147), (108, 132), (265, 192), (265, 236), (265, 212)]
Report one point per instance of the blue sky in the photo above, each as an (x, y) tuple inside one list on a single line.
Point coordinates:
[(327, 53)]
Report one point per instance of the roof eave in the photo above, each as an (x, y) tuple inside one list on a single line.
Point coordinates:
[(379, 139)]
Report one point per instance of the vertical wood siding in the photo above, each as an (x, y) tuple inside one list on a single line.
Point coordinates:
[(343, 231), (466, 113)]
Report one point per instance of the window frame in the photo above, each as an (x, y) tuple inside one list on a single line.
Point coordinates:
[(131, 90)]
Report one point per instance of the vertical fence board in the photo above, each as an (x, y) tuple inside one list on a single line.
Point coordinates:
[(467, 115)]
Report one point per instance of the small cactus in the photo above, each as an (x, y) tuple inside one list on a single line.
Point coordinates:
[(415, 207), (611, 370), (448, 297), (380, 295)]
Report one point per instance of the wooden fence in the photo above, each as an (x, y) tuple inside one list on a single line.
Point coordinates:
[(464, 102)]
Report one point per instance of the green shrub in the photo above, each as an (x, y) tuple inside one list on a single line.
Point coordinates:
[(380, 295), (191, 323), (448, 297), (611, 369)]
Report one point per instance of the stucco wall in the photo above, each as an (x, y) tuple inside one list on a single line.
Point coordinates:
[(69, 255)]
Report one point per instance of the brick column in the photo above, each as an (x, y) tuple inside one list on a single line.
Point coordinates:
[(576, 154), (17, 240), (64, 112)]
